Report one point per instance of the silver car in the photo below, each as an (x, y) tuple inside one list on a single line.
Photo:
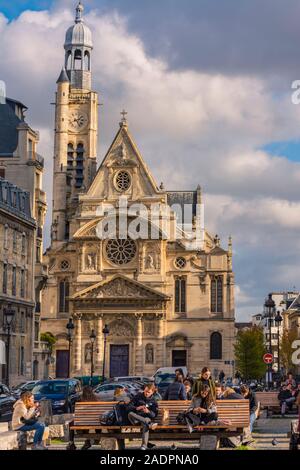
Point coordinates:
[(106, 392)]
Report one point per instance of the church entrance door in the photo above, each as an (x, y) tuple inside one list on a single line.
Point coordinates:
[(178, 358), (62, 364), (119, 360)]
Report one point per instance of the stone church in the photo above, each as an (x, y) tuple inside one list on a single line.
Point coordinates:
[(165, 294)]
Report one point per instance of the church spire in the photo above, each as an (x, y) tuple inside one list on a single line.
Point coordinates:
[(79, 13), (78, 47)]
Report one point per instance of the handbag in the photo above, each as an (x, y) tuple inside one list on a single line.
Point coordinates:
[(29, 421), (108, 418)]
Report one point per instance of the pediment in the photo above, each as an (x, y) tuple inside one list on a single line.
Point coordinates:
[(119, 288)]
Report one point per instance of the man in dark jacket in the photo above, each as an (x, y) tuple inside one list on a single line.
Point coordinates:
[(286, 398), (248, 394), (143, 409), (176, 390)]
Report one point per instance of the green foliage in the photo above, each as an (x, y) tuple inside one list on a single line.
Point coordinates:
[(286, 350), (241, 447), (249, 350), (48, 338)]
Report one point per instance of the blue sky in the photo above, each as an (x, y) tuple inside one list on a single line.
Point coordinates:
[(219, 114), (12, 8)]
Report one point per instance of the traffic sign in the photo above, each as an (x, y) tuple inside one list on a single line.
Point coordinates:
[(268, 358)]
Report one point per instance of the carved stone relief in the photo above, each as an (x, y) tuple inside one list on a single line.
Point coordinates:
[(121, 328)]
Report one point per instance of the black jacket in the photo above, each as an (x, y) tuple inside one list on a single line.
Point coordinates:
[(234, 396), (253, 403), (175, 391), (284, 395), (138, 400)]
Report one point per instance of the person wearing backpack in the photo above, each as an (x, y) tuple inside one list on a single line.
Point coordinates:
[(143, 409), (176, 390)]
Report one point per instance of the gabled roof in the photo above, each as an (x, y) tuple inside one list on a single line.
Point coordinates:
[(119, 288), (124, 136)]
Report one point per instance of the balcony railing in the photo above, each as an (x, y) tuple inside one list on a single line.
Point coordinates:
[(36, 157)]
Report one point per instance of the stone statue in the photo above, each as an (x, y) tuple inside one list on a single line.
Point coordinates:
[(149, 354), (88, 354), (91, 261), (150, 264)]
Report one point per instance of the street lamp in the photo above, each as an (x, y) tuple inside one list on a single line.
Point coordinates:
[(93, 339), (70, 328), (269, 314), (105, 332), (8, 314), (278, 320)]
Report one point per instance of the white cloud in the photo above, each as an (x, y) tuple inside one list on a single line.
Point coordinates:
[(206, 127)]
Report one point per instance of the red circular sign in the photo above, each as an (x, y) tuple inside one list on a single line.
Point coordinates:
[(268, 358)]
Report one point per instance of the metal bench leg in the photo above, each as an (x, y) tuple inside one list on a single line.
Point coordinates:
[(71, 445), (121, 444)]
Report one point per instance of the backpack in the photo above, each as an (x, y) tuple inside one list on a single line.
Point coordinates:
[(121, 414), (108, 418)]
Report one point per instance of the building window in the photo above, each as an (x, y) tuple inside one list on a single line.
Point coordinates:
[(22, 362), (22, 289), (180, 295), (6, 237), (2, 172), (216, 346), (14, 281), (149, 354), (36, 331), (4, 286), (64, 288), (15, 240), (70, 157), (23, 324), (216, 294), (23, 244), (79, 166), (38, 253), (78, 60)]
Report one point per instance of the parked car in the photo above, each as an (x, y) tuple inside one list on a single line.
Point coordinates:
[(106, 391), (63, 393), (7, 401), (133, 378), (169, 370), (24, 387), (163, 381)]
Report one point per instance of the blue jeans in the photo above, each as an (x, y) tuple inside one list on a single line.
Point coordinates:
[(38, 428), (252, 421)]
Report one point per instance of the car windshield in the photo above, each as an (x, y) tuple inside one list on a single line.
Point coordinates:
[(52, 387), (21, 385), (165, 378)]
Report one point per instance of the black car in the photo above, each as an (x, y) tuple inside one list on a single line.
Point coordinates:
[(63, 394), (7, 401)]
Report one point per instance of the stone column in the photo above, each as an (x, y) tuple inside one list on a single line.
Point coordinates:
[(161, 352), (77, 343), (139, 345), (99, 342)]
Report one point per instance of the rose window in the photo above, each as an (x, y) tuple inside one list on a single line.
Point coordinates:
[(123, 180), (180, 262), (120, 251)]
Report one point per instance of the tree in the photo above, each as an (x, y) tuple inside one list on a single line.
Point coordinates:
[(286, 350), (50, 339), (249, 350)]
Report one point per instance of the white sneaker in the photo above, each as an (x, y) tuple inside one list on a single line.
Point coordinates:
[(153, 426), (143, 448)]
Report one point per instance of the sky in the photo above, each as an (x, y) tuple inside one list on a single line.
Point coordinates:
[(208, 90)]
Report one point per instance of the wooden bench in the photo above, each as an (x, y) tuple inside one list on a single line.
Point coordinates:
[(268, 401), (86, 424)]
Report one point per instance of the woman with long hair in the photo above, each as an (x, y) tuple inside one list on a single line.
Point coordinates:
[(202, 410), (205, 379), (25, 418)]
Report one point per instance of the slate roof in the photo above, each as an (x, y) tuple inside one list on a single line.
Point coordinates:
[(9, 122), (182, 198)]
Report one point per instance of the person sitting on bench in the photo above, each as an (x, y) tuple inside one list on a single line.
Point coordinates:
[(143, 409), (25, 418), (286, 398), (202, 410)]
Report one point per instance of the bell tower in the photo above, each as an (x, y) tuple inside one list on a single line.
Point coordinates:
[(76, 128)]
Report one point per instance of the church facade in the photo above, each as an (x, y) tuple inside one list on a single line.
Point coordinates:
[(120, 255)]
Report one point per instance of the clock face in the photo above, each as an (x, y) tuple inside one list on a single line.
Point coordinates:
[(78, 120)]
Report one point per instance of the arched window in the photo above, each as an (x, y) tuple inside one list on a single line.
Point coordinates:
[(180, 295), (216, 294), (149, 354), (216, 345), (69, 60), (70, 157), (79, 165), (78, 60), (87, 64), (64, 289)]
